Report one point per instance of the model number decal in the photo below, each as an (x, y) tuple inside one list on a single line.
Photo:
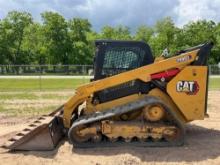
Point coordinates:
[(189, 87), (183, 59)]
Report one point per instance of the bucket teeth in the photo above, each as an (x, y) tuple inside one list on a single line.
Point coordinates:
[(26, 129), (42, 134), (15, 138), (12, 139), (32, 125), (20, 134)]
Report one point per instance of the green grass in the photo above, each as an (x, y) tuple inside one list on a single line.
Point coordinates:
[(37, 84), (26, 111), (29, 96), (53, 92), (31, 103), (12, 96), (59, 84), (214, 83)]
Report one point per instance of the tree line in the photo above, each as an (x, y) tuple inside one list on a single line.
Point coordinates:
[(56, 40)]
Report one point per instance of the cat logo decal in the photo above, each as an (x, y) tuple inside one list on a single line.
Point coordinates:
[(189, 87)]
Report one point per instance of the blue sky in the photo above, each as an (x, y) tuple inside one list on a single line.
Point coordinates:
[(131, 13)]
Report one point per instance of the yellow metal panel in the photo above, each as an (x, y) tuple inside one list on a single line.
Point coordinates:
[(188, 90), (142, 73), (118, 102)]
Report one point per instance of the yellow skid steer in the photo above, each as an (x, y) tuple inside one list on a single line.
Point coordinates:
[(133, 100)]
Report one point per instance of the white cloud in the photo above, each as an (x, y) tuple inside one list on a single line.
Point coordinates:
[(192, 10), (131, 13), (100, 12)]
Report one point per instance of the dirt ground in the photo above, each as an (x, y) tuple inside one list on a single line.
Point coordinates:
[(202, 146)]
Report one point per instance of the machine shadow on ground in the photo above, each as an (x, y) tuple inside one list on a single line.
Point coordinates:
[(200, 144)]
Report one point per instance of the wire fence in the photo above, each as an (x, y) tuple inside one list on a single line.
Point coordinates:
[(60, 77), (214, 70), (72, 70), (46, 69)]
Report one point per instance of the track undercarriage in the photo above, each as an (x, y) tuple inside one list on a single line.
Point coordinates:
[(152, 125)]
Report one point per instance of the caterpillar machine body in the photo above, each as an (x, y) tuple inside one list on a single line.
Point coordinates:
[(133, 99)]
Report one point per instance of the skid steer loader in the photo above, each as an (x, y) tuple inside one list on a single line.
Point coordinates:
[(133, 100)]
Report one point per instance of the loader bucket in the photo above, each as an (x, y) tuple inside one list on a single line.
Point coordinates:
[(43, 134)]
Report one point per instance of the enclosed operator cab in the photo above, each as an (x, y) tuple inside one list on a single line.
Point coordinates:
[(114, 57)]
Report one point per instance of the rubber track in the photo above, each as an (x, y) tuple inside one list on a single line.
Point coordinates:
[(99, 116)]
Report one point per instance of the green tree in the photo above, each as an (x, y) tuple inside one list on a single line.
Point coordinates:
[(34, 44), (144, 33), (118, 33), (164, 36), (58, 41), (81, 47), (198, 32), (55, 31), (3, 45), (122, 33), (12, 31), (79, 29), (215, 57), (107, 32)]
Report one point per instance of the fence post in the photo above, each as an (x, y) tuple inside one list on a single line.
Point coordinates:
[(40, 78), (84, 73)]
